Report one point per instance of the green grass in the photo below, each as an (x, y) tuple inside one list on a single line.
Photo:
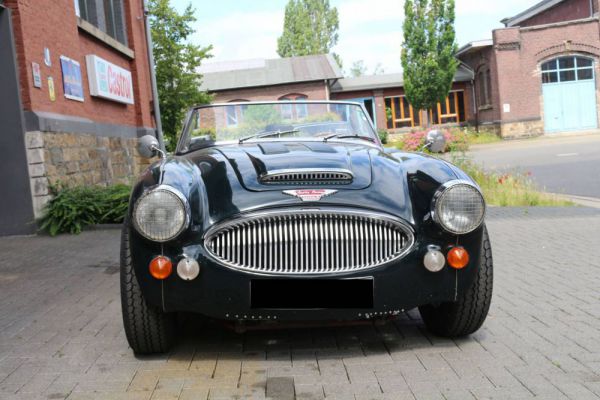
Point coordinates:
[(483, 138), (509, 190)]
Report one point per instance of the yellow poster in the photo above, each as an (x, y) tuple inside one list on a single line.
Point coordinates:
[(51, 89)]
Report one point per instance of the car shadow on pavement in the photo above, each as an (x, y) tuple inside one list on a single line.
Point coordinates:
[(202, 339)]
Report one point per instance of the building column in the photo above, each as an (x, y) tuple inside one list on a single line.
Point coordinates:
[(16, 212), (380, 113)]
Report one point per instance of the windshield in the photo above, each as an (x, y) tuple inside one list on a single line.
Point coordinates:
[(247, 122)]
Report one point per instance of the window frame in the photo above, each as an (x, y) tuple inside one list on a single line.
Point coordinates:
[(551, 71), (106, 15), (402, 118)]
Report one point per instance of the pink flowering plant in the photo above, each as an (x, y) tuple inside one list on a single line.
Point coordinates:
[(456, 140)]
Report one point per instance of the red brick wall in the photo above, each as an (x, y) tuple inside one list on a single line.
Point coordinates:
[(565, 11), (53, 24), (480, 61), (519, 53), (312, 90)]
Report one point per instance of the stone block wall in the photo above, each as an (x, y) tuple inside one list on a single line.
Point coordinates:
[(77, 159), (522, 129)]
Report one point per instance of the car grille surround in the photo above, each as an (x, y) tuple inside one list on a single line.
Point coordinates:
[(298, 242)]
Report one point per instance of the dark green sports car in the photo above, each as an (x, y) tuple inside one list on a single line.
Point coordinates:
[(295, 211)]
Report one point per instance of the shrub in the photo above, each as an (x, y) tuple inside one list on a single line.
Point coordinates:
[(73, 208), (383, 136), (456, 140)]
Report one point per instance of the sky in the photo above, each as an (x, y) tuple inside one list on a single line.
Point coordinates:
[(370, 30)]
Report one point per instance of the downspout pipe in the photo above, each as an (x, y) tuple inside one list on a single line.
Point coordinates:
[(155, 103)]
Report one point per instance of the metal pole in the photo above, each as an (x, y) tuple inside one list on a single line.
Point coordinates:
[(159, 131)]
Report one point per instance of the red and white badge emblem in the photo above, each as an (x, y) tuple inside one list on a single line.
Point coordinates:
[(310, 194)]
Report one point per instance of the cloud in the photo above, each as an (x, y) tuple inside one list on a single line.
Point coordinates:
[(370, 30), (239, 35)]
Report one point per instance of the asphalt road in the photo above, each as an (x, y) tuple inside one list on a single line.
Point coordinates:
[(568, 165)]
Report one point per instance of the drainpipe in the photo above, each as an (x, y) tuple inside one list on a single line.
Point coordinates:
[(156, 106)]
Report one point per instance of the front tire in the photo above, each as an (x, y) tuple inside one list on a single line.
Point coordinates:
[(467, 314), (148, 329)]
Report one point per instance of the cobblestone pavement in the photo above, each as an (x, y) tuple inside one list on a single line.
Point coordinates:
[(61, 334)]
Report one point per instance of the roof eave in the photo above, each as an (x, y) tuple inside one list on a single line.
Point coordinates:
[(530, 12)]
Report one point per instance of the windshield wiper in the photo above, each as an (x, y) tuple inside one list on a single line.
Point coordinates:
[(266, 134), (346, 136)]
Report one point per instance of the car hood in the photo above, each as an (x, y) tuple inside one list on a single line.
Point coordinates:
[(253, 162), (222, 182)]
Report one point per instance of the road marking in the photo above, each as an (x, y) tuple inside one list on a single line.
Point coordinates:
[(567, 154)]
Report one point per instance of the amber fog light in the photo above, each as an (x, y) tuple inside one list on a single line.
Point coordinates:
[(434, 260), (188, 269), (161, 267), (458, 257)]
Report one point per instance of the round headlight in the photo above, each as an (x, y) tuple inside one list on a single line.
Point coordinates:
[(161, 214), (458, 206)]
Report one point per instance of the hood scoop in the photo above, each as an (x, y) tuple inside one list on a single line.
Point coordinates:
[(307, 176)]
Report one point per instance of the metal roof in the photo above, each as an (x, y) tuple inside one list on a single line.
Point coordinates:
[(530, 12), (373, 82), (474, 45), (278, 71)]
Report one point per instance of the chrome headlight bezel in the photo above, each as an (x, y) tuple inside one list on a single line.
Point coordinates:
[(185, 208), (437, 203)]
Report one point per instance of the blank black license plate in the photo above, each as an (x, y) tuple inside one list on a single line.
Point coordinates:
[(311, 293)]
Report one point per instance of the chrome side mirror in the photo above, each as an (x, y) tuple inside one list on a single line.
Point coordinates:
[(436, 141), (148, 147)]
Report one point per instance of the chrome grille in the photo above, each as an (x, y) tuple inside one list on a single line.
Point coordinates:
[(307, 177), (309, 241)]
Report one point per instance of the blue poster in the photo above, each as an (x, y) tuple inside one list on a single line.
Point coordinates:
[(72, 81)]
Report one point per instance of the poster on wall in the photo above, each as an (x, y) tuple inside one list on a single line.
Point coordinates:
[(108, 80), (51, 92), (37, 75), (72, 82)]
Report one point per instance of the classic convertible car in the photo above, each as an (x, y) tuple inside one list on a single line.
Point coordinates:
[(294, 211)]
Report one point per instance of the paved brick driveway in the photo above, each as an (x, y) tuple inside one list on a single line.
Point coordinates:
[(61, 334)]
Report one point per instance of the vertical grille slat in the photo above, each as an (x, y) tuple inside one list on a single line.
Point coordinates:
[(309, 242)]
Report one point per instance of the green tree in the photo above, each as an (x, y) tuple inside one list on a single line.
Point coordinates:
[(358, 68), (428, 51), (310, 27), (176, 64)]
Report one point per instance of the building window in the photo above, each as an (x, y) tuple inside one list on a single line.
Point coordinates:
[(400, 113), (106, 15), (235, 114), (450, 111), (484, 82), (299, 110), (232, 118), (567, 69)]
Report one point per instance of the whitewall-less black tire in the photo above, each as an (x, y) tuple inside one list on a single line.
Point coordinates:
[(148, 329), (466, 315)]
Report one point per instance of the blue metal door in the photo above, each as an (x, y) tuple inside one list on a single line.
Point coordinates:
[(369, 103), (569, 90)]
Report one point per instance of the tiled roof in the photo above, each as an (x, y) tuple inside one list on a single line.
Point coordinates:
[(463, 74), (257, 73)]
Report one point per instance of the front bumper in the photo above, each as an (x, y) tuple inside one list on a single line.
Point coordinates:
[(225, 293)]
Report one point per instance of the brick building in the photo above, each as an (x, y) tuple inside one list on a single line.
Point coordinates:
[(538, 74), (82, 97), (319, 78)]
